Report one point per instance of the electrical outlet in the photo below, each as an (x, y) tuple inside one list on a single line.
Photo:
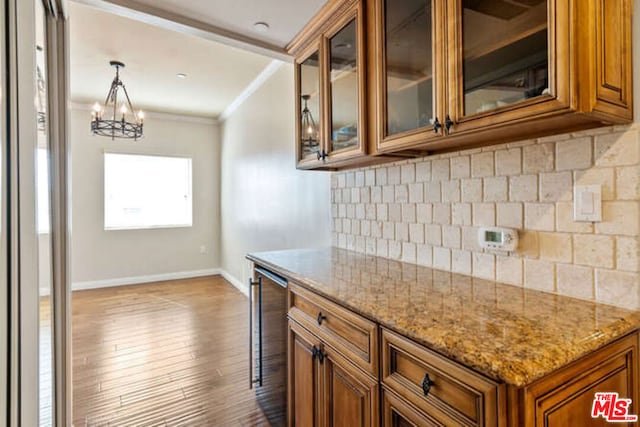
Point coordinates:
[(203, 249)]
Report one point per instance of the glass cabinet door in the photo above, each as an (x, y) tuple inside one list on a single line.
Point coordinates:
[(309, 110), (345, 86), (408, 64), (504, 62), (502, 71)]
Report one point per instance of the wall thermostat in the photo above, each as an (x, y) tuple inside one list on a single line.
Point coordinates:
[(498, 239)]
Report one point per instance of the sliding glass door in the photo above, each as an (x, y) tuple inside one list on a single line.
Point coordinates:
[(34, 297)]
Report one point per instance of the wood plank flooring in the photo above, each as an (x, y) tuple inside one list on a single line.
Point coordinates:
[(165, 354)]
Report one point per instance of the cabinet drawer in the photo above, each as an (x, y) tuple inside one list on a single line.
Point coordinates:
[(398, 413), (458, 395), (352, 335)]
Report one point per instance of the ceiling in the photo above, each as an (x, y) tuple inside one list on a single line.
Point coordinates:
[(285, 17), (216, 73)]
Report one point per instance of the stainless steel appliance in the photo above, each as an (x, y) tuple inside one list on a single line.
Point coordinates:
[(268, 343)]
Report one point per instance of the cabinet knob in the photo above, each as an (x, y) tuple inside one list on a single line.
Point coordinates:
[(448, 123), (427, 384), (320, 318), (436, 125)]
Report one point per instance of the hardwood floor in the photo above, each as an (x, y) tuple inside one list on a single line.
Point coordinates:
[(165, 354)]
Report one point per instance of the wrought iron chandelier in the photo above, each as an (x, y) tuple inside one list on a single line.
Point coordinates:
[(309, 132), (114, 126)]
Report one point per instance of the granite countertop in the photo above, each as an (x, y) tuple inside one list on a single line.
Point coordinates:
[(508, 333)]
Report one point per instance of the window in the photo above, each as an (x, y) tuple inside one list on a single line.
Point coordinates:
[(146, 191)]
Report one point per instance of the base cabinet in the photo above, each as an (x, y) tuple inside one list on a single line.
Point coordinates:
[(304, 378), (566, 398), (394, 381), (350, 396), (325, 389)]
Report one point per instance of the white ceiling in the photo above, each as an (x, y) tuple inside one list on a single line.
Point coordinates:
[(285, 17), (216, 73)]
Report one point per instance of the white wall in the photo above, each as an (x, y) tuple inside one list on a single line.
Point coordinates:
[(266, 203), (102, 256)]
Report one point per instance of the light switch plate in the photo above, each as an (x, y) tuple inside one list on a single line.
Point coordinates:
[(587, 203)]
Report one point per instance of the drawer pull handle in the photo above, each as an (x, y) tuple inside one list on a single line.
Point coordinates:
[(320, 318), (427, 384)]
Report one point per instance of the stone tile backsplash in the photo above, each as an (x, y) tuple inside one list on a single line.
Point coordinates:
[(428, 211)]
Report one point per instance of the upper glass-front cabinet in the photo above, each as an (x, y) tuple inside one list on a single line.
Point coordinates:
[(343, 87), (331, 94), (442, 75), (505, 54), (501, 67), (309, 112), (410, 53)]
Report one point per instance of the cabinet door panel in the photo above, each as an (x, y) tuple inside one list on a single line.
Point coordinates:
[(408, 60), (304, 384), (308, 106), (350, 396), (566, 397), (613, 61), (345, 86), (502, 68)]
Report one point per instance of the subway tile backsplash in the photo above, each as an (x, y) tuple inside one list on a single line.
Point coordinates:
[(428, 211)]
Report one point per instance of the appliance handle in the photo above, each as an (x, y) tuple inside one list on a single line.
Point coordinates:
[(259, 379), (250, 334), (273, 276), (253, 380)]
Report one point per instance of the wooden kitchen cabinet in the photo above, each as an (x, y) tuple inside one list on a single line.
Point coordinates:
[(563, 398), (304, 378), (445, 75), (325, 388), (345, 370), (350, 396), (449, 393), (407, 71), (512, 70), (330, 78)]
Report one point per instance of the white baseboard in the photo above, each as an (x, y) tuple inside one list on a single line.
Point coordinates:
[(235, 282), (121, 281)]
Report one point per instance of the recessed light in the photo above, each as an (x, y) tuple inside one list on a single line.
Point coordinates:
[(261, 27), (181, 75)]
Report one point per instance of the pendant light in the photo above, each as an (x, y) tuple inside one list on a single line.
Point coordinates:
[(112, 120)]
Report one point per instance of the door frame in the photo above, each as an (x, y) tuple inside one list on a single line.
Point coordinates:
[(57, 40), (21, 405)]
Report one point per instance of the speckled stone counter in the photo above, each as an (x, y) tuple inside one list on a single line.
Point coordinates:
[(508, 333)]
